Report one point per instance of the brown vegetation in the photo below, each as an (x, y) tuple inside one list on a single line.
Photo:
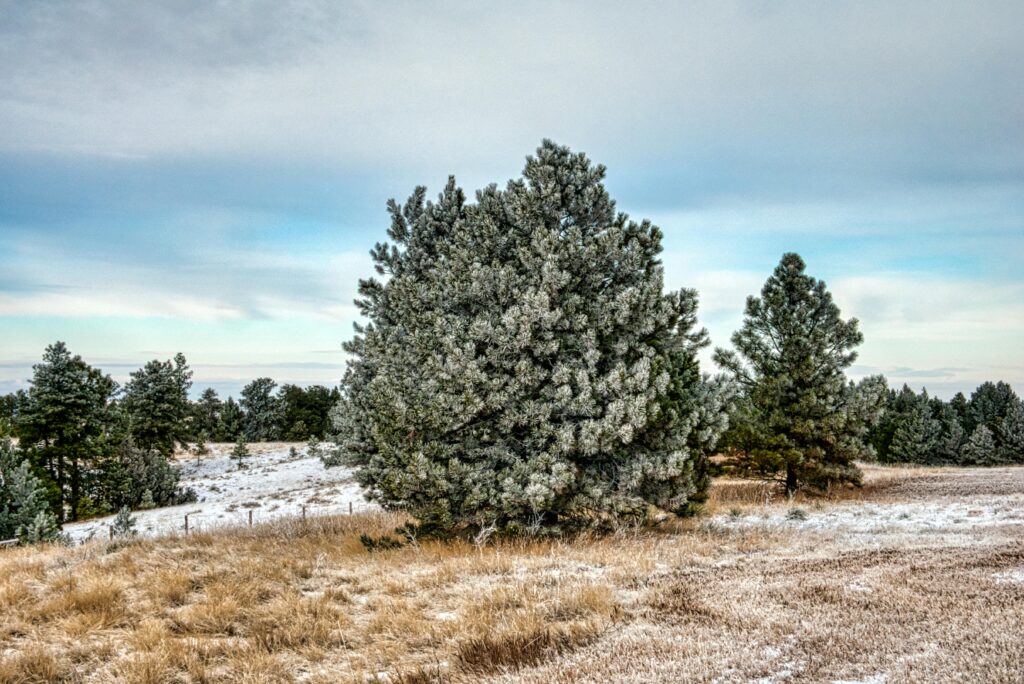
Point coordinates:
[(695, 601)]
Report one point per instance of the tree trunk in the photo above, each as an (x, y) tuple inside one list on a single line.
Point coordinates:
[(790, 480)]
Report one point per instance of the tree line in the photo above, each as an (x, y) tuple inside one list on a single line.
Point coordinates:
[(986, 429), (85, 446)]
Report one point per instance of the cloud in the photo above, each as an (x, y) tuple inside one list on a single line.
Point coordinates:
[(725, 97)]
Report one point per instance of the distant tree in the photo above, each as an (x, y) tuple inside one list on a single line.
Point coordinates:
[(156, 401), (980, 448), (989, 405), (199, 448), (797, 415), (305, 412), (1012, 434), (240, 453), (523, 369), (62, 422), (207, 413), (262, 411), (232, 421), (24, 512), (917, 435), (897, 404)]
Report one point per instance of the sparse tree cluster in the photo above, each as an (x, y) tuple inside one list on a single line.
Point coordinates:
[(91, 448), (291, 414), (987, 429)]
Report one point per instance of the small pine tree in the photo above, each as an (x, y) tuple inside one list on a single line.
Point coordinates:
[(313, 448), (124, 524), (240, 452), (200, 449), (980, 448), (23, 510), (293, 453), (147, 502)]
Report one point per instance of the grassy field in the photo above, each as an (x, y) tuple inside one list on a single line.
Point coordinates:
[(919, 577)]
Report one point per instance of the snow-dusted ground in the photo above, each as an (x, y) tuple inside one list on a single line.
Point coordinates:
[(873, 518), (273, 485)]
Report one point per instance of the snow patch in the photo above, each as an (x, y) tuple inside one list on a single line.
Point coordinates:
[(272, 485)]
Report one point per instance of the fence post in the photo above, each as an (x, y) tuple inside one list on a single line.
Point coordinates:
[(303, 511), (110, 529), (350, 508), (250, 517), (186, 524)]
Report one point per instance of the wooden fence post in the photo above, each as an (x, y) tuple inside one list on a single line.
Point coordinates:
[(250, 517), (303, 511), (350, 508), (110, 528), (186, 524)]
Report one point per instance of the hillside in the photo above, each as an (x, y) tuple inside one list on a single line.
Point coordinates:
[(919, 577), (273, 484)]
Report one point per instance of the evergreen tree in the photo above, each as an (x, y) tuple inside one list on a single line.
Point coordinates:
[(124, 524), (305, 412), (897, 405), (1012, 434), (62, 421), (798, 416), (523, 368), (989, 405), (240, 453), (262, 411), (206, 413), (156, 400), (980, 448), (24, 512), (232, 421), (917, 435)]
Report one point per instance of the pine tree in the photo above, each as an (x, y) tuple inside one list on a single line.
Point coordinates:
[(262, 411), (523, 368), (917, 435), (240, 453), (206, 413), (156, 400), (62, 422), (124, 524), (980, 448), (200, 449), (1012, 434), (798, 416), (24, 512), (232, 421)]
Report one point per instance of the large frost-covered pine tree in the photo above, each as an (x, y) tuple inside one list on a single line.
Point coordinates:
[(522, 368)]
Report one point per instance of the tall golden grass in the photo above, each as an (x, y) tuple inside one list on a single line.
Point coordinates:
[(686, 601)]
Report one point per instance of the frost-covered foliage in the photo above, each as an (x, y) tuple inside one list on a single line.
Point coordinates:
[(522, 368), (24, 513), (798, 417)]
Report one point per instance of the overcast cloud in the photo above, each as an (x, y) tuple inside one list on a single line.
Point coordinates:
[(209, 176)]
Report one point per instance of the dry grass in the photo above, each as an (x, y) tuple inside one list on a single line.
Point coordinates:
[(691, 601)]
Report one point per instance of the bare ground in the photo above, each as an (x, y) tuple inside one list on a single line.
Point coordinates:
[(918, 577)]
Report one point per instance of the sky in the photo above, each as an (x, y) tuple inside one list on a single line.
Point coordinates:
[(209, 177)]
